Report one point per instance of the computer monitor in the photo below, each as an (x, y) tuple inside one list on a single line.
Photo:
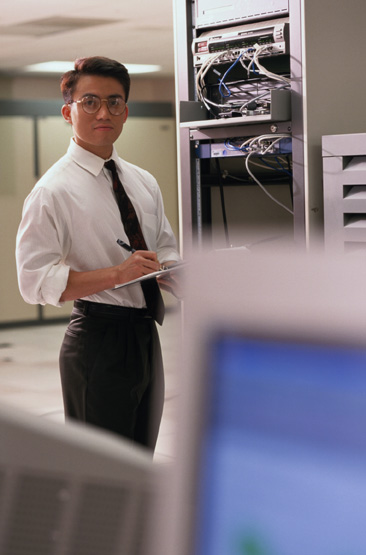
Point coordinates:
[(271, 442), (72, 490)]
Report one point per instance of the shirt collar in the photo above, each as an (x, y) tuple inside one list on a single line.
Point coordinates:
[(89, 161)]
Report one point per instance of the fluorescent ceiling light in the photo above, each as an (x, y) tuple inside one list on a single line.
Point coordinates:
[(49, 67), (142, 68), (62, 67)]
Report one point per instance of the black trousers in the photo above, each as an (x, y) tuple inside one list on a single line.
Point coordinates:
[(112, 372)]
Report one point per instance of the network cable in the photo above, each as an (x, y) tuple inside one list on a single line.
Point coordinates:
[(222, 80), (260, 145), (250, 55), (279, 166), (222, 199)]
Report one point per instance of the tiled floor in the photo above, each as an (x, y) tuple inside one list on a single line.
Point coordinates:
[(29, 375)]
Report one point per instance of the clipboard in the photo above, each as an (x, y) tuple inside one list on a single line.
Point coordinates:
[(159, 273)]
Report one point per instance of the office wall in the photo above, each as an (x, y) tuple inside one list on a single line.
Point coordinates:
[(146, 141), (16, 180), (143, 89)]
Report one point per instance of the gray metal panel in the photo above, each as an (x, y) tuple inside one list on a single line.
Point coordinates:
[(352, 144), (354, 178), (210, 13), (344, 189), (191, 110), (301, 207), (354, 206), (332, 97), (280, 111), (355, 231), (333, 202), (183, 26), (239, 130)]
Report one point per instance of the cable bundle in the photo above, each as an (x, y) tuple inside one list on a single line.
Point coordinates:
[(260, 145), (249, 59)]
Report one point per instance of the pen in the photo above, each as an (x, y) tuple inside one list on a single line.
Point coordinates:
[(125, 246), (128, 248)]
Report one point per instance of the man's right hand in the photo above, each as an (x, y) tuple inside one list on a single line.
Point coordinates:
[(139, 264)]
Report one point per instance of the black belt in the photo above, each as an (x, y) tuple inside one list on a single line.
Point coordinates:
[(110, 310)]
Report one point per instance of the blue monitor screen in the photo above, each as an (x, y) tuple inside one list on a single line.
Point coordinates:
[(283, 459)]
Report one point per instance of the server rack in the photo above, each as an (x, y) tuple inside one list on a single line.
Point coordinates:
[(324, 58)]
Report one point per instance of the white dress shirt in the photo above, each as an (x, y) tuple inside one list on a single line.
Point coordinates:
[(71, 220)]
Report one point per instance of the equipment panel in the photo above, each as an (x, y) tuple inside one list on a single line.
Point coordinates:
[(216, 13)]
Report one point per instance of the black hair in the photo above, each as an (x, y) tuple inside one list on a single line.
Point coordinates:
[(95, 65)]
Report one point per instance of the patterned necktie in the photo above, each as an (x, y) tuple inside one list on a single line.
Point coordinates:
[(151, 290)]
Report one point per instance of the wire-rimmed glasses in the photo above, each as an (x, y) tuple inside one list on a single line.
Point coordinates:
[(91, 103)]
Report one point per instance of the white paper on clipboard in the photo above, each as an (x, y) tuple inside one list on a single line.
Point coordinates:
[(170, 270)]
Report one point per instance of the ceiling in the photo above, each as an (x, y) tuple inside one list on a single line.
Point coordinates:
[(137, 32)]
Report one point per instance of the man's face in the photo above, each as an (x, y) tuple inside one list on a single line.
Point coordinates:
[(96, 132)]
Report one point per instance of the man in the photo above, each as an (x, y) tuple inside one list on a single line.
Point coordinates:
[(110, 360)]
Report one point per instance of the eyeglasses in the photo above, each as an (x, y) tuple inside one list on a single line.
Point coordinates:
[(91, 104)]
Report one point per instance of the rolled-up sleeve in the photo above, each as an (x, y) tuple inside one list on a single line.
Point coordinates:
[(42, 274)]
